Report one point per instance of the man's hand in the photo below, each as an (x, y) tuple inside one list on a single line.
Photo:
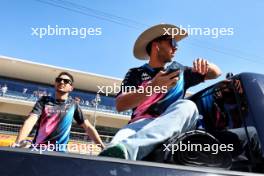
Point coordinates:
[(25, 130), (201, 66), (22, 144), (163, 79), (92, 133), (15, 145)]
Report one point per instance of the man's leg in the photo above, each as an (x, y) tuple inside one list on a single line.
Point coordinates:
[(115, 148), (179, 117), (129, 130)]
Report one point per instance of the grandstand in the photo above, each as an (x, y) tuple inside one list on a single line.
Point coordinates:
[(23, 82)]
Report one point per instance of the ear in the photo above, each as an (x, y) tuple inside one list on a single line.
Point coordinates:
[(72, 88), (155, 45)]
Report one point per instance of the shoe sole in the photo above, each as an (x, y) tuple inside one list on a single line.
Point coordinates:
[(115, 152)]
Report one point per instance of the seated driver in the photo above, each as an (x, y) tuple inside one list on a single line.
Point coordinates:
[(163, 112)]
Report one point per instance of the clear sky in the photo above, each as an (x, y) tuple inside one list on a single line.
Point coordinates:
[(121, 22)]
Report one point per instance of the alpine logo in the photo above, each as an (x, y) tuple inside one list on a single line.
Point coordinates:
[(145, 76)]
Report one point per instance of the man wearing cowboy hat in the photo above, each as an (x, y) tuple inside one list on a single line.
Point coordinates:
[(161, 114)]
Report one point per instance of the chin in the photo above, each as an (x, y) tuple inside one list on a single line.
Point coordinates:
[(168, 60)]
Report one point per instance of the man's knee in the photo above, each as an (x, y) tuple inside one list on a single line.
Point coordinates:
[(252, 131), (190, 106), (187, 109)]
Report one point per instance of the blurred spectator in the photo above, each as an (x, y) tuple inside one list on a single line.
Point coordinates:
[(77, 100), (87, 103), (35, 93), (4, 90), (25, 90), (44, 93), (41, 93), (82, 102)]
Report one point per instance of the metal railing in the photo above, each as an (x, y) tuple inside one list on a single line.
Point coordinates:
[(13, 129)]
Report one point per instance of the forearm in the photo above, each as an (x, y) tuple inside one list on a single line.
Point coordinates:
[(26, 129), (213, 71), (93, 134)]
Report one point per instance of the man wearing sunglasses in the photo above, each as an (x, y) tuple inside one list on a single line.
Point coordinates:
[(158, 116), (54, 116)]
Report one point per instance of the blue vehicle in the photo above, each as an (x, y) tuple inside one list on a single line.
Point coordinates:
[(230, 107)]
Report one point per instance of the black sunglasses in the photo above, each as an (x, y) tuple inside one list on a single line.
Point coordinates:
[(66, 81), (172, 41)]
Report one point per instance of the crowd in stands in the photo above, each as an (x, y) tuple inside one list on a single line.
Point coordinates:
[(32, 92)]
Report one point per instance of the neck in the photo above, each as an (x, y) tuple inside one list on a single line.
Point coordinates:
[(61, 96), (155, 62)]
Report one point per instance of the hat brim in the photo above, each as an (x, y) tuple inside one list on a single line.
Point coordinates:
[(152, 33)]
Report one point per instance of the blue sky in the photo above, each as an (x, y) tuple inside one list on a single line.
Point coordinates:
[(111, 52)]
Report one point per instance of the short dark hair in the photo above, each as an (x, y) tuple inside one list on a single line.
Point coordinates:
[(67, 74), (160, 38), (148, 47)]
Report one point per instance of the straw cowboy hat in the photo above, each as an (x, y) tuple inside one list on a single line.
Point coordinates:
[(154, 32)]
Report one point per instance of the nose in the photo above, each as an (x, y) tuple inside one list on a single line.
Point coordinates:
[(174, 49), (62, 81)]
